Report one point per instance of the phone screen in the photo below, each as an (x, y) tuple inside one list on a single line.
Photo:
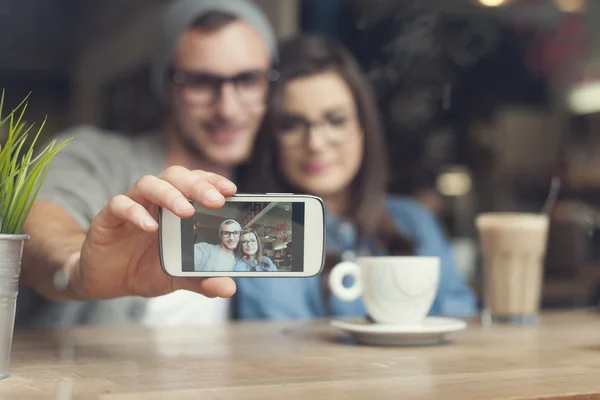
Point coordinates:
[(244, 237)]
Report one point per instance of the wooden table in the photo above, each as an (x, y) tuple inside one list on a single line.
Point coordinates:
[(558, 358)]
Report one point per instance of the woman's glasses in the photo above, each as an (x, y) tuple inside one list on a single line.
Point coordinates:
[(247, 242), (294, 129)]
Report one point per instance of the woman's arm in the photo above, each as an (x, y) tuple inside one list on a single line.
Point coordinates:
[(240, 266), (277, 298), (272, 266), (454, 296)]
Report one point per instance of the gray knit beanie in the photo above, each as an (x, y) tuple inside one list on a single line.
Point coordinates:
[(180, 14)]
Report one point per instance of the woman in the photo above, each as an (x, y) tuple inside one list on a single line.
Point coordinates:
[(250, 254), (322, 136)]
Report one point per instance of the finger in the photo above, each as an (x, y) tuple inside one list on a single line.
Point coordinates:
[(150, 190), (197, 186), (122, 209), (224, 185), (191, 183), (209, 287)]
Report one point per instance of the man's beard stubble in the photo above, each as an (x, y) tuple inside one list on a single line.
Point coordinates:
[(188, 143), (196, 152)]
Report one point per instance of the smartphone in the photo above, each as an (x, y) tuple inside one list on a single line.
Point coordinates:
[(252, 235)]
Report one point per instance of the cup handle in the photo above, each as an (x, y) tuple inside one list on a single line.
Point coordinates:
[(336, 277)]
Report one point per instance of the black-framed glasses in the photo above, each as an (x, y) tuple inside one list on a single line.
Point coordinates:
[(337, 127), (203, 89), (248, 242), (228, 234)]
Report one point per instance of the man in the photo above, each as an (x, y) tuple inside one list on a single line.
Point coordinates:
[(219, 257), (93, 229)]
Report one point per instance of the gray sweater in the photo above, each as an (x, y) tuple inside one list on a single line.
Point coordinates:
[(94, 167)]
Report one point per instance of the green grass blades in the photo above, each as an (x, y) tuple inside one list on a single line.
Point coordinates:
[(21, 174)]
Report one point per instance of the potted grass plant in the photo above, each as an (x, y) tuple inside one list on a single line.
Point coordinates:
[(22, 172)]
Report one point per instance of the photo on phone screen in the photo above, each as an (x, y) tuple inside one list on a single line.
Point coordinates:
[(244, 237)]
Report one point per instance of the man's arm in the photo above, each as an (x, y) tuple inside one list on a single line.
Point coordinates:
[(54, 238), (119, 251), (199, 256), (78, 184), (97, 232)]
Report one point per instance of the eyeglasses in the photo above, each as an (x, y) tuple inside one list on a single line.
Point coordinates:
[(228, 234), (293, 130), (247, 242), (204, 89)]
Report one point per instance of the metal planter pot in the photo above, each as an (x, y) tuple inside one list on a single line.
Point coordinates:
[(11, 251)]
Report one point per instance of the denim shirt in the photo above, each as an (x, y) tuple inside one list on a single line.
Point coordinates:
[(242, 265), (302, 298)]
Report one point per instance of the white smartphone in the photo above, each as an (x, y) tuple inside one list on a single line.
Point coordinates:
[(252, 235)]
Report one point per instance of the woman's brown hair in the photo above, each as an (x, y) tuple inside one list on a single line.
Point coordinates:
[(307, 55)]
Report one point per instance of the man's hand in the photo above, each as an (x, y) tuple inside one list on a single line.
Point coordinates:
[(120, 255)]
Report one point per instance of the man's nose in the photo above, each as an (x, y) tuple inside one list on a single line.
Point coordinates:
[(228, 104)]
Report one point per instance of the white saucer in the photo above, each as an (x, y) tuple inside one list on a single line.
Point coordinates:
[(430, 331)]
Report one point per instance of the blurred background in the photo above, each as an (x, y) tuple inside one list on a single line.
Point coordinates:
[(483, 100)]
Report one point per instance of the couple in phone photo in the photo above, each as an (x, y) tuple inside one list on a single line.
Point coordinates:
[(239, 251)]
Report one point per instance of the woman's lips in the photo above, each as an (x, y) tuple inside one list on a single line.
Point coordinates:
[(315, 167)]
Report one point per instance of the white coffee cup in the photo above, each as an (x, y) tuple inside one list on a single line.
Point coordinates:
[(394, 290)]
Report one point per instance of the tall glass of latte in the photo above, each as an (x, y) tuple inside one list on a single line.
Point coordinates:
[(513, 248)]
